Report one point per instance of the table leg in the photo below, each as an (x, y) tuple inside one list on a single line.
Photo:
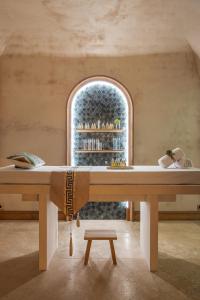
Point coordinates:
[(87, 252), (112, 248), (48, 231), (149, 231), (129, 211)]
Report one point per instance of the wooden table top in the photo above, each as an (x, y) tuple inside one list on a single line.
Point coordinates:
[(102, 175)]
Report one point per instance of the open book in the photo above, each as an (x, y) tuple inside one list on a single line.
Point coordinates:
[(26, 160)]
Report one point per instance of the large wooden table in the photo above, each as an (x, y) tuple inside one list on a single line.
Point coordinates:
[(143, 183)]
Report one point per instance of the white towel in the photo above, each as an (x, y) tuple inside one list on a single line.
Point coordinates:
[(176, 155), (165, 161)]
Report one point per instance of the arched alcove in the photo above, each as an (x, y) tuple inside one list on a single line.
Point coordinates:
[(100, 129)]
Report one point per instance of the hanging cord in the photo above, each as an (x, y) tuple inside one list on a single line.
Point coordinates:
[(71, 247), (78, 220), (70, 237)]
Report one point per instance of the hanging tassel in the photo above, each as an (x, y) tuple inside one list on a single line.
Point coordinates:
[(78, 220), (70, 239), (70, 245)]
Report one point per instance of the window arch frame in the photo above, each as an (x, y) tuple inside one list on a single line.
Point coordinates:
[(130, 113)]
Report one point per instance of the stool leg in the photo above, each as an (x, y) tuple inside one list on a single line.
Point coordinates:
[(112, 248), (87, 252)]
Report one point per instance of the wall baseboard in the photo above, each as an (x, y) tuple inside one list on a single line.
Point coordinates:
[(163, 215), (19, 215), (24, 215), (172, 215)]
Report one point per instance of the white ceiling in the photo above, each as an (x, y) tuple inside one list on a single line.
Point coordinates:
[(99, 27)]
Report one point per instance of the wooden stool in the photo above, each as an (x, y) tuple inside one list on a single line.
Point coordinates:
[(108, 235)]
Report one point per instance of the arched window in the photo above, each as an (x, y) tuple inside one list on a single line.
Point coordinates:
[(99, 130), (99, 123)]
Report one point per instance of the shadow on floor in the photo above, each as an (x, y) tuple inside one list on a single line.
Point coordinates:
[(95, 281), (182, 274), (17, 271)]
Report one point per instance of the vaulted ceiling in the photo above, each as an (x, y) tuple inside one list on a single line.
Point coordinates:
[(99, 27)]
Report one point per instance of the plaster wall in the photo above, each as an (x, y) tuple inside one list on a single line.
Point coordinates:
[(197, 60), (166, 94)]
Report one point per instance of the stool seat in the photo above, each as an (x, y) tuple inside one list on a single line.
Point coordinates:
[(100, 234)]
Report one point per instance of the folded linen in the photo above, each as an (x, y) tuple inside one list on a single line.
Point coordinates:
[(175, 156)]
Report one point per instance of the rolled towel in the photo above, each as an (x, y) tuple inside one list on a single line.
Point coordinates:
[(178, 154), (180, 164), (171, 156), (165, 161)]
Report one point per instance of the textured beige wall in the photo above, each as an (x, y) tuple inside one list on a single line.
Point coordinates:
[(197, 60), (165, 91)]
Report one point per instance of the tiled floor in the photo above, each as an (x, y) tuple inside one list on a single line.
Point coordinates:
[(178, 277)]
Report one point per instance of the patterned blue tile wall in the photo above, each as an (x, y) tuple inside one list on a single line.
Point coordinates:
[(104, 102)]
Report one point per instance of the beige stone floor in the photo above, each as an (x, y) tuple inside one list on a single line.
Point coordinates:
[(178, 277)]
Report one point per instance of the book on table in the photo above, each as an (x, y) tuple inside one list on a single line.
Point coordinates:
[(26, 160)]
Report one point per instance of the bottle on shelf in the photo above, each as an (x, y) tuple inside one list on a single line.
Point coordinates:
[(99, 145), (84, 145), (88, 144), (80, 126), (116, 143), (112, 162), (117, 123), (92, 144), (119, 143), (117, 163), (99, 124)]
